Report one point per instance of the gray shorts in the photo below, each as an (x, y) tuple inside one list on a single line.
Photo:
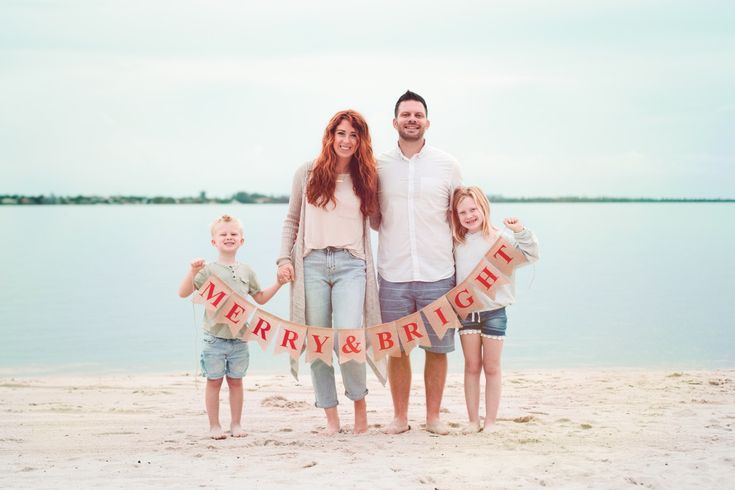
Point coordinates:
[(398, 299)]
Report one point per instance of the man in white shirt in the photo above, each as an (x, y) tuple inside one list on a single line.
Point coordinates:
[(415, 261)]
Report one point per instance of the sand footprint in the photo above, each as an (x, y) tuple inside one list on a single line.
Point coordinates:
[(278, 401)]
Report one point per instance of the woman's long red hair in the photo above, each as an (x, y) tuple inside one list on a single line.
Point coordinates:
[(364, 173)]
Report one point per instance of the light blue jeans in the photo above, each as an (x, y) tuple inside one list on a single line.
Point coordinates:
[(334, 280)]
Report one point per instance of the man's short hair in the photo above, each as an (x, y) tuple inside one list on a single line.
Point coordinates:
[(410, 96)]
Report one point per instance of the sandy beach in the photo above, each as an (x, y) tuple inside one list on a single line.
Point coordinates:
[(588, 428)]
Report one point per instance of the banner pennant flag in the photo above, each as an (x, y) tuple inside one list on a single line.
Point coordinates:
[(235, 313), (320, 344), (441, 316), (290, 339), (263, 328), (213, 293), (383, 340), (486, 278), (351, 344), (412, 332), (463, 300), (505, 256)]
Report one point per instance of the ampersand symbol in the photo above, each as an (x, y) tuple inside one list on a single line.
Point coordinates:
[(350, 345)]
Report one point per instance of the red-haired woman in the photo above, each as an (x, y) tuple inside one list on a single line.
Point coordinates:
[(325, 251)]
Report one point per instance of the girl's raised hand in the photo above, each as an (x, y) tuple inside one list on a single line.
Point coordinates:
[(514, 224)]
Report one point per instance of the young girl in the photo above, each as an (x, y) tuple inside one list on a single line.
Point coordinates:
[(482, 333)]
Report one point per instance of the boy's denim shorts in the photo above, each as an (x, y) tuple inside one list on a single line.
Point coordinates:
[(222, 357), (490, 324)]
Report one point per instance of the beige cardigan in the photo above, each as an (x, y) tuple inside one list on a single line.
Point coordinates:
[(292, 250)]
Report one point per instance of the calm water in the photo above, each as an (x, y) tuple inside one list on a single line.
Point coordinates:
[(94, 288)]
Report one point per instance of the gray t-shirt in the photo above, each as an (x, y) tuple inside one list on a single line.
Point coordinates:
[(240, 278)]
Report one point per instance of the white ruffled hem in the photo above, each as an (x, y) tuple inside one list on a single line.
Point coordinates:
[(473, 331)]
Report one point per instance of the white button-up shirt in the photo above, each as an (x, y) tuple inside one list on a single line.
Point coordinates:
[(415, 241)]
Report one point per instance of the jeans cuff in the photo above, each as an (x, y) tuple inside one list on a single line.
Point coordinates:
[(329, 405), (358, 397)]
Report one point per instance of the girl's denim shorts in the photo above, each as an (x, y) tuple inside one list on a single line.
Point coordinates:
[(222, 357), (490, 324)]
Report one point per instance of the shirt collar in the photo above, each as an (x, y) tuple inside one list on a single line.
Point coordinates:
[(417, 155)]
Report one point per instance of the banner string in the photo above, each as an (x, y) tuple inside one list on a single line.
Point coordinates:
[(533, 276), (196, 337), (533, 267)]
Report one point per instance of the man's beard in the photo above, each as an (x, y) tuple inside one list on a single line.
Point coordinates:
[(411, 137)]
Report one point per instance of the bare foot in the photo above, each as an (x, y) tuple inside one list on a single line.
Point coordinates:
[(333, 425), (237, 431), (437, 427), (397, 427), (330, 430), (472, 428), (215, 432), (490, 428)]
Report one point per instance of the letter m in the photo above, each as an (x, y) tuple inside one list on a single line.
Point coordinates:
[(212, 297)]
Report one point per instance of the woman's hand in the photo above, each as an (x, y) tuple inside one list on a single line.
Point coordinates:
[(285, 273)]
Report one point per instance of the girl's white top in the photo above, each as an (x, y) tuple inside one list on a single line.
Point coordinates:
[(468, 254)]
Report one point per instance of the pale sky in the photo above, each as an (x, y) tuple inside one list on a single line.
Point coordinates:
[(534, 98)]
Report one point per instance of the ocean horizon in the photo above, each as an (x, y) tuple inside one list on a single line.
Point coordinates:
[(93, 288)]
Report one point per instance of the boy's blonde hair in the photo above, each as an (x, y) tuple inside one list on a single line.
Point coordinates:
[(459, 231), (225, 218)]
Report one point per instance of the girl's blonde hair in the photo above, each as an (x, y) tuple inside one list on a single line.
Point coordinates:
[(459, 231)]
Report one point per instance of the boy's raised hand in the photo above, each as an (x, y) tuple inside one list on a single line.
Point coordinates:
[(187, 284), (197, 265), (514, 224)]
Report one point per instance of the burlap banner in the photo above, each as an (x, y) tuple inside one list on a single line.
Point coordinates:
[(248, 322)]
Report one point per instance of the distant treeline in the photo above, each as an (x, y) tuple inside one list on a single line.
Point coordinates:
[(602, 199), (242, 197), (255, 198)]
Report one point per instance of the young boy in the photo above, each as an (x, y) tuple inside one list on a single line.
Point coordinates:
[(222, 354)]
